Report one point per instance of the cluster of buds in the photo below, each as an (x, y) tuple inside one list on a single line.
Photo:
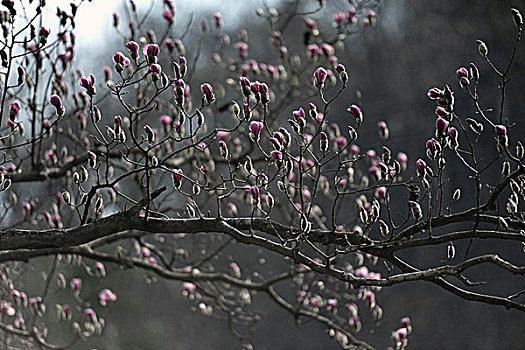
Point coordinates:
[(445, 99), (180, 68), (43, 35), (120, 61), (245, 86), (433, 152), (133, 49), (117, 132), (368, 213), (38, 306), (105, 296), (462, 74), (151, 51), (400, 336), (88, 83), (261, 92)]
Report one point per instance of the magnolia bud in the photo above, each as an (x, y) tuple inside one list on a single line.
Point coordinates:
[(512, 207), (248, 165), (505, 171), (415, 209), (200, 118), (520, 150), (464, 82), (196, 189), (353, 133), (475, 126), (67, 197), (224, 150), (96, 114), (270, 201), (482, 48), (323, 143), (236, 110), (149, 133), (516, 16), (474, 72), (456, 195), (383, 227), (451, 251), (98, 203), (83, 174)]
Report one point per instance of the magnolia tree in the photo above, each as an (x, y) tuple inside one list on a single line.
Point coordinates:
[(139, 165)]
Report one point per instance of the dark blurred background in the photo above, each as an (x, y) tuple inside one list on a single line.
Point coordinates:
[(416, 45)]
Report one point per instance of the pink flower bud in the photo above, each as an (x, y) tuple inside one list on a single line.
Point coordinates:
[(106, 295), (421, 166), (256, 128), (380, 192), (120, 59), (254, 190), (177, 174), (355, 111), (56, 101), (452, 133), (152, 50), (434, 93), (462, 72), (118, 120), (76, 284), (14, 109), (441, 126), (133, 48), (332, 303), (441, 112), (155, 68), (107, 73), (188, 287), (88, 83), (310, 23), (207, 90), (168, 16), (402, 333), (92, 159), (44, 32), (277, 155), (501, 130), (320, 77)]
